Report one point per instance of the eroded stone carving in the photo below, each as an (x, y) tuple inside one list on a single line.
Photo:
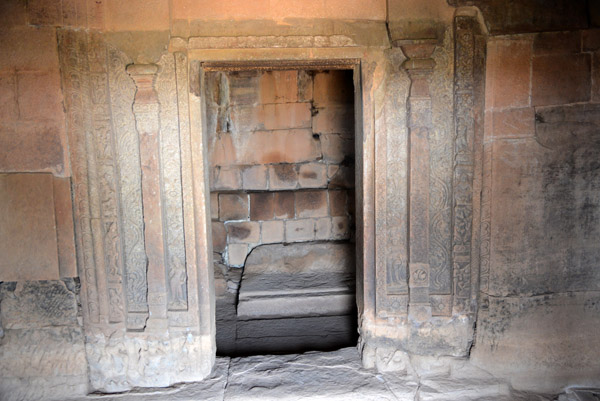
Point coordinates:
[(74, 76), (465, 111), (392, 229), (146, 110), (419, 66), (42, 353), (440, 172), (119, 232), (122, 90), (119, 362), (107, 182), (170, 149)]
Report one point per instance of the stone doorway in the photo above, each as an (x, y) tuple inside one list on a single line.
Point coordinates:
[(281, 155)]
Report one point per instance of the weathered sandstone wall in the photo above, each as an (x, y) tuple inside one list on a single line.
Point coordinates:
[(538, 316)]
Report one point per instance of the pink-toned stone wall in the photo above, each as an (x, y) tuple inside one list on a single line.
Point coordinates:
[(32, 130), (37, 225), (281, 146), (539, 302), (278, 9), (41, 337), (158, 15)]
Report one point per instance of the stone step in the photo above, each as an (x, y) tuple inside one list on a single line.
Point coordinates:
[(298, 280)]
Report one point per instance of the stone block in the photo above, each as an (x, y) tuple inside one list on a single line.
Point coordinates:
[(595, 77), (560, 245), (374, 10), (277, 116), (561, 79), (74, 13), (341, 176), (305, 86), (236, 254), (43, 352), (312, 175), (214, 206), (264, 147), (225, 178), (511, 123), (209, 10), (557, 43), (29, 49), (340, 227), (137, 15), (508, 73), (261, 206), (43, 388), (219, 236), (503, 18), (569, 127), (272, 231), (219, 280), (336, 147), (515, 334), (334, 119), (299, 230), (311, 204), (8, 98), (220, 141), (243, 88), (283, 176), (351, 203), (34, 147), (335, 86), (233, 206), (95, 14), (35, 304), (254, 178), (13, 13), (591, 40), (65, 234), (296, 259), (279, 10), (323, 228), (338, 203), (279, 87), (44, 12), (284, 205), (289, 146), (247, 232), (28, 243)]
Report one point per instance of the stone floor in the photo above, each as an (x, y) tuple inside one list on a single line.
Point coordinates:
[(332, 376)]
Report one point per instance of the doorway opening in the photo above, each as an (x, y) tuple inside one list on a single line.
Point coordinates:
[(281, 151)]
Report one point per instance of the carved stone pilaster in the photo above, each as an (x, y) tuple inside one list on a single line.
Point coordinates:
[(146, 109), (468, 100), (419, 66)]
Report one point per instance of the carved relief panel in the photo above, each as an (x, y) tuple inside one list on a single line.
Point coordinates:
[(134, 221), (427, 177)]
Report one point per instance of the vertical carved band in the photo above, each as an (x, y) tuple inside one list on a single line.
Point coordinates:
[(419, 66), (122, 91), (171, 172), (146, 110), (74, 73), (83, 60), (465, 112)]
